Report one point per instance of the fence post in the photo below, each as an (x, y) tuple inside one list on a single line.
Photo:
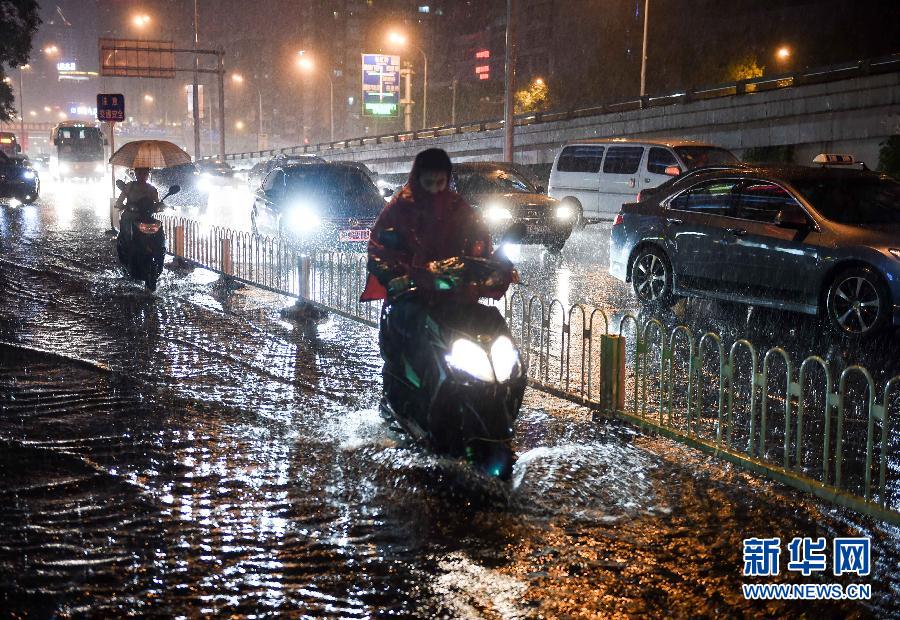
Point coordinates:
[(179, 246), (227, 261), (612, 372), (303, 273)]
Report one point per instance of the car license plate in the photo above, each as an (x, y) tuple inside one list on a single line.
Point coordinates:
[(537, 229), (356, 235)]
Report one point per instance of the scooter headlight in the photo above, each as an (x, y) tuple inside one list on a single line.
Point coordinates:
[(471, 359), (505, 358)]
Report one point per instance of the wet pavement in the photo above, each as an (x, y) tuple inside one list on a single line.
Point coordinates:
[(190, 453)]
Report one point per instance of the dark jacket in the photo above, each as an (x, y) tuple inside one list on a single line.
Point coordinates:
[(432, 227)]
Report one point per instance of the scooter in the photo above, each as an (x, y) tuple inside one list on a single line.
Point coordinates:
[(141, 244), (456, 384)]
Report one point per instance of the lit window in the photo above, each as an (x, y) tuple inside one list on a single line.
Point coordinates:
[(424, 9), (483, 54)]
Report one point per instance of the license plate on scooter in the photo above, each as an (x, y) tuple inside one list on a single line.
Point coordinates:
[(354, 235)]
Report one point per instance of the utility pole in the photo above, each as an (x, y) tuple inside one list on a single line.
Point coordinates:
[(644, 50), (509, 82), (196, 87), (22, 140), (220, 57)]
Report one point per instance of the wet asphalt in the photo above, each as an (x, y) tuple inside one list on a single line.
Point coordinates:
[(190, 453)]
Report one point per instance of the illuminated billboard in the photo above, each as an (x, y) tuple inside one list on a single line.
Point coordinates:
[(381, 85)]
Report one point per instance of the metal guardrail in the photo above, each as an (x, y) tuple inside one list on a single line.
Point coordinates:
[(883, 64), (803, 425)]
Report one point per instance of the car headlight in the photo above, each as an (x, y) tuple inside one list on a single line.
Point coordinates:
[(564, 212), (471, 359), (496, 213), (302, 217), (204, 184), (64, 168), (504, 357), (895, 252), (99, 168), (28, 174)]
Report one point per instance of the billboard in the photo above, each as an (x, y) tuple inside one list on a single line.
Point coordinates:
[(137, 58), (381, 85)]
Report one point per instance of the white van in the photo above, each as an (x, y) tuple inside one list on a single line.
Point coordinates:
[(596, 176)]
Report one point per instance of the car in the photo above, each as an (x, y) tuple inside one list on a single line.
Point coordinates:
[(322, 206), (194, 188), (18, 179), (214, 173), (505, 195), (258, 172), (819, 240), (595, 176)]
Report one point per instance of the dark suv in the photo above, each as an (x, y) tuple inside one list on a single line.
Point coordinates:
[(822, 241)]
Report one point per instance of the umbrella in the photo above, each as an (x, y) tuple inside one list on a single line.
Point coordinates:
[(149, 154)]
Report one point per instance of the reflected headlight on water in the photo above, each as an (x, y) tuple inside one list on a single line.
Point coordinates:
[(301, 217)]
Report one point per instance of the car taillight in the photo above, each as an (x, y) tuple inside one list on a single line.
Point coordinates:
[(148, 229), (620, 219)]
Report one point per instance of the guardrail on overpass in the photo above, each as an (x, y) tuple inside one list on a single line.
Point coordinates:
[(832, 73)]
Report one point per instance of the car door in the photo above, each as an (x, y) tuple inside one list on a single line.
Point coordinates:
[(270, 193), (577, 169), (694, 232), (619, 178), (765, 258)]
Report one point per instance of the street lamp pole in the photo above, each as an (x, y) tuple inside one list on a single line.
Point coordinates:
[(331, 106), (509, 82), (644, 49), (424, 88), (196, 85)]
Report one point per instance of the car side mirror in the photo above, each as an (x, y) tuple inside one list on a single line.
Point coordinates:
[(18, 148), (672, 171), (792, 219), (121, 184)]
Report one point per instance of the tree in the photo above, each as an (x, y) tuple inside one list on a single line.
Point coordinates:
[(889, 156), (744, 69), (535, 98), (19, 21)]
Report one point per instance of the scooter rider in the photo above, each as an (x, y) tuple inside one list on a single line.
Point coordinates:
[(134, 192), (424, 222)]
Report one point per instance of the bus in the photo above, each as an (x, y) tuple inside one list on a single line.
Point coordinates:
[(9, 146), (78, 151)]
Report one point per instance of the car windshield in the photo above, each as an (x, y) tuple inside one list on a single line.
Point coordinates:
[(499, 180), (345, 184), (854, 201), (698, 156)]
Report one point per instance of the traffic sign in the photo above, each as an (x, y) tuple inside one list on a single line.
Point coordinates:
[(111, 108), (380, 85)]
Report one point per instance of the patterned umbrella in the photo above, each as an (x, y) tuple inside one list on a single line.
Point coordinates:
[(149, 154)]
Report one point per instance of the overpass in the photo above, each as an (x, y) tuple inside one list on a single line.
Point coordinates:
[(841, 108)]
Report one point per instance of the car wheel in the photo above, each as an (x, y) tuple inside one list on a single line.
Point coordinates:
[(651, 277), (857, 303)]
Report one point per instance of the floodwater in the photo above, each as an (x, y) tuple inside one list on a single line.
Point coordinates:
[(190, 453)]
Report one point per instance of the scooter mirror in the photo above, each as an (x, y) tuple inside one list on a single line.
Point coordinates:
[(514, 234), (121, 184), (174, 189)]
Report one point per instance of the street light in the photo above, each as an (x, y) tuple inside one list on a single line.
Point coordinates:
[(239, 125), (148, 98), (306, 64), (237, 78), (399, 40), (141, 20), (51, 50), (783, 53)]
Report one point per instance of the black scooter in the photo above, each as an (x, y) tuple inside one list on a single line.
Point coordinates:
[(453, 377), (141, 244)]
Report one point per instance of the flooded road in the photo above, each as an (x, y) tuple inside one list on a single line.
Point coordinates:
[(190, 453)]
